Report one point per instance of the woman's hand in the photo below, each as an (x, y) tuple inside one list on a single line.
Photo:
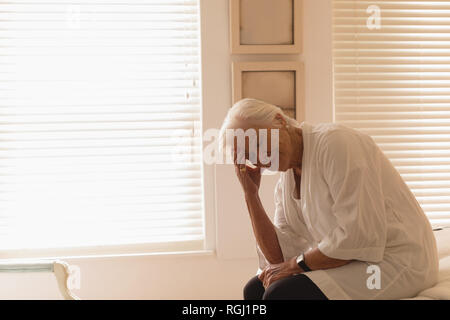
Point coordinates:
[(250, 178), (274, 272)]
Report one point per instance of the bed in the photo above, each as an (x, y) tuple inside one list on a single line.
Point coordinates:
[(441, 291)]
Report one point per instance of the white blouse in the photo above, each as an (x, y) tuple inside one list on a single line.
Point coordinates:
[(354, 205)]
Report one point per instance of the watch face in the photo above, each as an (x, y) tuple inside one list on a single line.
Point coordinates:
[(300, 258)]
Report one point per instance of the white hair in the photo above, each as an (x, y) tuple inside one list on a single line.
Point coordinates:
[(252, 112)]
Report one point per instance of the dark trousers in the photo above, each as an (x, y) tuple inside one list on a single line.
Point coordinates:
[(298, 287)]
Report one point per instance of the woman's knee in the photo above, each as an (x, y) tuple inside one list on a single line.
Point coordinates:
[(254, 289), (275, 291), (298, 287)]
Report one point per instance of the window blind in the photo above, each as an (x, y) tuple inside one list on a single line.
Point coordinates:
[(100, 135), (392, 81)]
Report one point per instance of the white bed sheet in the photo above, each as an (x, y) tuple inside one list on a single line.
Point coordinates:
[(441, 291)]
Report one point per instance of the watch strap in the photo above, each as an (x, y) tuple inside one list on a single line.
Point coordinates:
[(302, 264)]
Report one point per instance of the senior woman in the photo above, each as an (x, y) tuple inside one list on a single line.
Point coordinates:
[(346, 225)]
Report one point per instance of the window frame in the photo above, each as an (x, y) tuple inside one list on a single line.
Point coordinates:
[(192, 247)]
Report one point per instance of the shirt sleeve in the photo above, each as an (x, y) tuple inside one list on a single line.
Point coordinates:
[(291, 243), (351, 169)]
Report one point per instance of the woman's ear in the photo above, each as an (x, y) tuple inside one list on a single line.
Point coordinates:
[(280, 120)]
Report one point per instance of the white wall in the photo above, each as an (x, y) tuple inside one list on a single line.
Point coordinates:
[(220, 274)]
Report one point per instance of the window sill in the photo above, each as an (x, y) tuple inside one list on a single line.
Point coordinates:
[(193, 248), (177, 254)]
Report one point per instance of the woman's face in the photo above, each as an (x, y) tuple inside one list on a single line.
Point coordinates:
[(272, 148)]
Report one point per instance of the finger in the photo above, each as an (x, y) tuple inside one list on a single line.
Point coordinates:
[(266, 276), (242, 169), (264, 282), (261, 277), (274, 278), (271, 272), (267, 282), (241, 159), (263, 274), (235, 159), (236, 170), (271, 275), (235, 149)]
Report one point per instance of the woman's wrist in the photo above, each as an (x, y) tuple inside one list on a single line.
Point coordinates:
[(294, 267), (251, 195)]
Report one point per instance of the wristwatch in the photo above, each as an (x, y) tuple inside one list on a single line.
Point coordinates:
[(301, 263)]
